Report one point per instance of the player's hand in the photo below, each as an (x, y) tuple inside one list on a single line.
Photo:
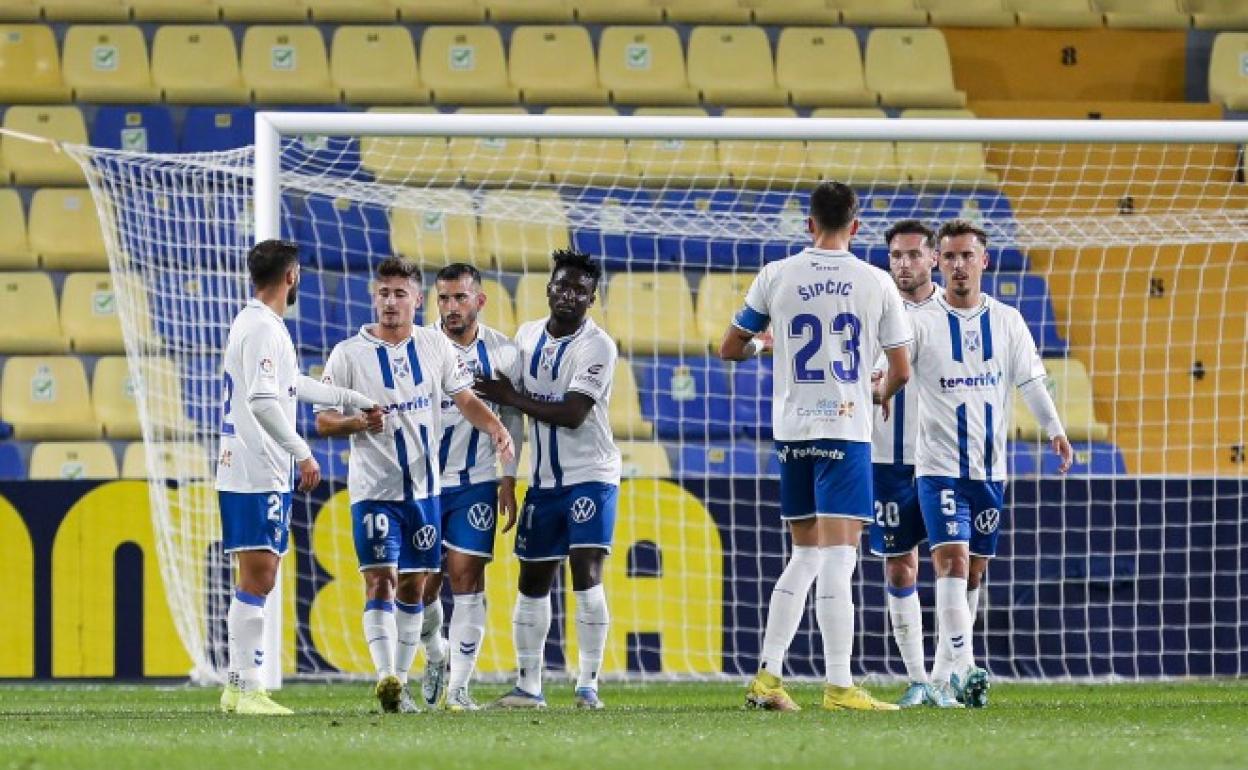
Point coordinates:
[(373, 421), (309, 474), (499, 391), (767, 339), (507, 501), (1061, 446), (877, 395), (503, 446)]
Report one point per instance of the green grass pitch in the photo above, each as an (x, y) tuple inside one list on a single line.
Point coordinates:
[(1049, 727)]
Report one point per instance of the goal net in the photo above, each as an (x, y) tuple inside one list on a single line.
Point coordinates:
[(1125, 257)]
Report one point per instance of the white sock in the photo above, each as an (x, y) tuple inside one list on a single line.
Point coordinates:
[(972, 603), (787, 605), (380, 631), (955, 622), (408, 622), (530, 624), (592, 623), (244, 623), (906, 617), (467, 629), (431, 632), (834, 609)]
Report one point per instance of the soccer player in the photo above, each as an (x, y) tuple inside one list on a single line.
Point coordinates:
[(830, 310), (473, 495), (569, 510), (394, 468), (970, 352), (259, 450)]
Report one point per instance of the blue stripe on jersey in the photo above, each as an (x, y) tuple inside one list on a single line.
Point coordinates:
[(483, 357), (751, 320), (537, 455), (988, 442), (899, 426), (964, 455), (424, 444), (387, 376), (444, 448), (985, 331), (554, 372), (227, 429), (417, 375), (474, 438), (556, 469), (537, 355), (955, 336), (400, 446)]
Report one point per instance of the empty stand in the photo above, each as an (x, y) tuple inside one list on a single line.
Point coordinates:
[(19, 10), (414, 160), (733, 65), (762, 164), (65, 230), (466, 65), (625, 407), (896, 13), (1071, 389), (72, 461), (585, 161), (687, 398), (15, 253), (911, 68), (752, 383), (352, 11), (376, 65), (114, 400), (967, 13), (619, 11), (652, 313), (85, 10), (1145, 14), (12, 466), (717, 459), (209, 129), (944, 163), (89, 317), (283, 11), (441, 11), (1219, 14), (794, 11), (46, 397), (519, 230), (644, 65), (35, 163), (28, 305), (1228, 84), (197, 63), (1062, 14), (529, 10), (555, 65), (706, 11), (822, 66), (495, 160), (30, 66), (287, 65), (668, 162), (107, 63), (854, 162), (174, 10), (443, 230), (135, 129), (643, 459), (178, 460), (720, 296)]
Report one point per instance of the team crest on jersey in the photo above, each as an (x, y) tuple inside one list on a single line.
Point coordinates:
[(481, 517), (379, 552), (548, 358), (583, 509), (266, 365), (970, 340), (987, 521), (401, 367), (425, 537)]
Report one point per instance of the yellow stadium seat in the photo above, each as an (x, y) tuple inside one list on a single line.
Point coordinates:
[(65, 230), (531, 303), (643, 459), (438, 228), (89, 318), (352, 11), (174, 10), (706, 11), (1055, 14), (178, 460), (286, 11), (675, 161), (754, 163), (911, 68), (72, 461), (498, 313), (495, 160), (854, 162), (1144, 14), (35, 163), (441, 11), (1219, 14), (466, 65), (619, 11), (115, 394), (30, 67), (15, 253), (794, 11), (529, 10), (197, 63), (376, 65), (46, 397), (961, 164), (409, 160), (967, 13), (881, 12), (720, 296), (107, 63), (1071, 389), (287, 65), (519, 230), (28, 305), (19, 10), (644, 65), (822, 66), (555, 65), (585, 161), (624, 410), (85, 10), (1228, 70), (733, 65), (652, 313)]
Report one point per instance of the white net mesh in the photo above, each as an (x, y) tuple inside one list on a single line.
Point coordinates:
[(1126, 261)]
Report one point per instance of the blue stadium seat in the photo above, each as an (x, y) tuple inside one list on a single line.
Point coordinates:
[(317, 326), (1021, 460), (685, 397), (339, 234), (716, 458), (11, 466), (197, 308), (616, 239), (332, 456), (751, 403), (732, 229), (335, 156), (1092, 458), (1030, 294), (212, 129), (138, 129), (203, 391), (882, 207)]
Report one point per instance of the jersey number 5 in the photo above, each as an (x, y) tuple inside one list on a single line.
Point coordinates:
[(846, 327)]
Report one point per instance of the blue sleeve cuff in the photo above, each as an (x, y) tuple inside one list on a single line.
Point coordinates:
[(751, 320)]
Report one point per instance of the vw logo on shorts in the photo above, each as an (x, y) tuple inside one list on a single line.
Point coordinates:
[(481, 516), (583, 509), (986, 522), (425, 537)]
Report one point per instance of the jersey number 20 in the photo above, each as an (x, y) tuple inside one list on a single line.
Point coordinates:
[(846, 327)]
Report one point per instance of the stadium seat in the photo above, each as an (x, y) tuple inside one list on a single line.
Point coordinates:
[(1029, 293), (65, 230), (555, 65), (135, 129), (1059, 14), (85, 10), (606, 222), (341, 234), (672, 162), (652, 313), (939, 164), (498, 312), (1228, 83), (31, 163), (752, 383), (107, 63), (20, 10), (822, 66), (619, 11), (15, 253), (376, 65), (287, 65), (197, 64), (854, 162), (176, 460), (443, 230), (174, 10), (585, 161), (211, 129), (408, 160), (531, 301), (717, 459), (644, 65), (733, 65), (466, 65), (529, 11), (1092, 458), (755, 163), (911, 68), (1021, 460), (12, 466), (686, 398), (1144, 14), (334, 458), (113, 398), (273, 11), (89, 317), (871, 13), (28, 305), (625, 407), (440, 11), (1071, 389), (720, 296), (519, 230), (1219, 14), (643, 460), (794, 11), (967, 13), (495, 160), (30, 66), (706, 11), (72, 461), (115, 392), (46, 397), (351, 11)]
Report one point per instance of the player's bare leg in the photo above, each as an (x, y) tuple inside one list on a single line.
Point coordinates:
[(592, 622), (433, 684), (466, 573), (381, 633), (969, 682), (244, 694), (409, 618), (530, 625)]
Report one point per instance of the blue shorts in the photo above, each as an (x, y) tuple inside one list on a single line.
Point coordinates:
[(390, 533), (962, 511), (255, 521), (556, 520), (469, 517), (898, 525), (827, 477)]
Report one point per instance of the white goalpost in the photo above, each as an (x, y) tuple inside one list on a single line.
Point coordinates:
[(1120, 241)]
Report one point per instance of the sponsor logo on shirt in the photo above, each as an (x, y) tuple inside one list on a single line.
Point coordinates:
[(417, 404), (786, 453), (974, 382), (828, 408)]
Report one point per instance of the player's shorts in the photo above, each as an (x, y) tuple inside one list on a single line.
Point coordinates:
[(962, 511), (826, 477), (469, 517), (397, 533), (553, 521), (255, 521), (898, 526)]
